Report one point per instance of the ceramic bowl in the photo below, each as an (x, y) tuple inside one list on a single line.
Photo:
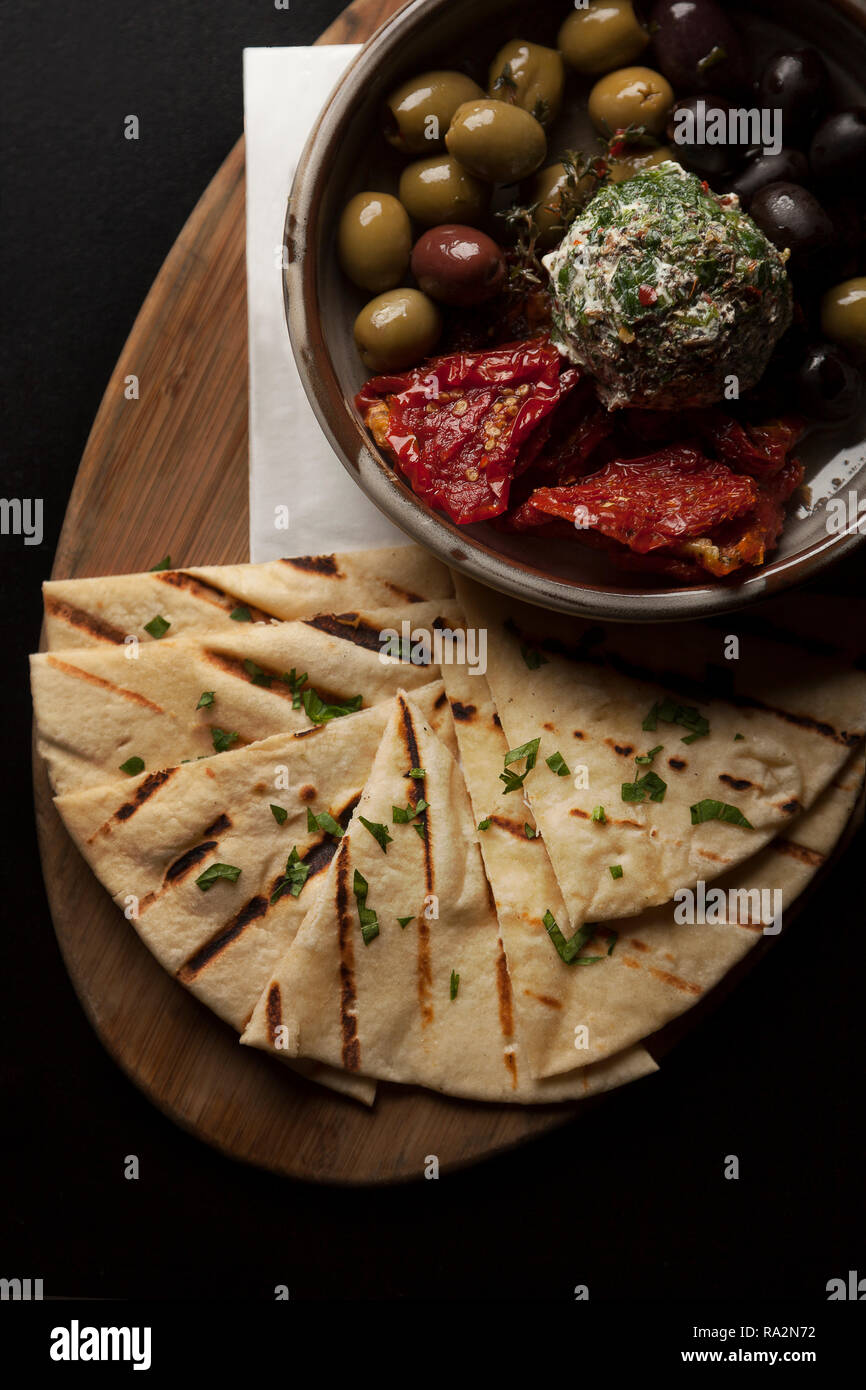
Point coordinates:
[(346, 153)]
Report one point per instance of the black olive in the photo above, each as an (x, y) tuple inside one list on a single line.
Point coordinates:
[(796, 83), (704, 158), (791, 217), (696, 46), (829, 386), (788, 166), (838, 149)]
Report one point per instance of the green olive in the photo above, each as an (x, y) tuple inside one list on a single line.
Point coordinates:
[(627, 165), (374, 241), (546, 192), (528, 75), (439, 190), (601, 37), (631, 96), (843, 314), (495, 141), (419, 112), (395, 330)]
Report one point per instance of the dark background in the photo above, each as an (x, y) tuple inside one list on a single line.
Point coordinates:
[(629, 1199)]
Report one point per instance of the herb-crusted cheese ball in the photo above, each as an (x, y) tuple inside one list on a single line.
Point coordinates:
[(662, 290)]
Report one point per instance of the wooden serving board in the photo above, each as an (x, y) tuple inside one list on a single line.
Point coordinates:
[(168, 474)]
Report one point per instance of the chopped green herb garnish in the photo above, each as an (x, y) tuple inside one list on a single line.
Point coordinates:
[(738, 736), (615, 871), (241, 614), (556, 762), (671, 713), (529, 751), (514, 781), (367, 917), (650, 785), (529, 831), (324, 821), (320, 712), (421, 828), (718, 810), (455, 984), (532, 659), (646, 758), (222, 740), (257, 675), (416, 772), (614, 938), (403, 815), (205, 699), (294, 682), (207, 880), (133, 766), (294, 878), (598, 815), (280, 814), (378, 831), (568, 950), (404, 921), (157, 627), (485, 824), (164, 564)]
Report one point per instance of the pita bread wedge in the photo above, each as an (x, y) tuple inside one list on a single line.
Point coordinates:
[(427, 1002), (150, 846), (780, 727), (100, 612), (188, 696), (659, 967)]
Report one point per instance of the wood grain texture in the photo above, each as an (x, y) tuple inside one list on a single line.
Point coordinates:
[(168, 474)]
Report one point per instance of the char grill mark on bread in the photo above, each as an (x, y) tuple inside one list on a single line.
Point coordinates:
[(349, 627), (274, 1012), (252, 911), (211, 593), (86, 622), (417, 790), (69, 670), (351, 1046), (314, 564)]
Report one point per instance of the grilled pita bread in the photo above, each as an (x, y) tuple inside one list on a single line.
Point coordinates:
[(430, 1002), (99, 612), (148, 848), (658, 967), (97, 707), (782, 730)]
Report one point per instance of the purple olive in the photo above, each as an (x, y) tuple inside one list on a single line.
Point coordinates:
[(458, 265), (788, 166), (698, 154), (797, 84), (696, 46), (791, 217), (838, 149), (829, 386)]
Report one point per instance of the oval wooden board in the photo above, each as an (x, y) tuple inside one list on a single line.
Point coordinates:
[(168, 474)]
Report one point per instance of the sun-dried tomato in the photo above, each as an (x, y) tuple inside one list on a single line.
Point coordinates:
[(651, 502), (757, 449), (457, 425), (751, 538)]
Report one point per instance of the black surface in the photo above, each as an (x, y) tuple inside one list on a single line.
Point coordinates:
[(631, 1200)]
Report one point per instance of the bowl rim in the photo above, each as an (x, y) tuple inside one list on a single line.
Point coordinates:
[(371, 471)]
